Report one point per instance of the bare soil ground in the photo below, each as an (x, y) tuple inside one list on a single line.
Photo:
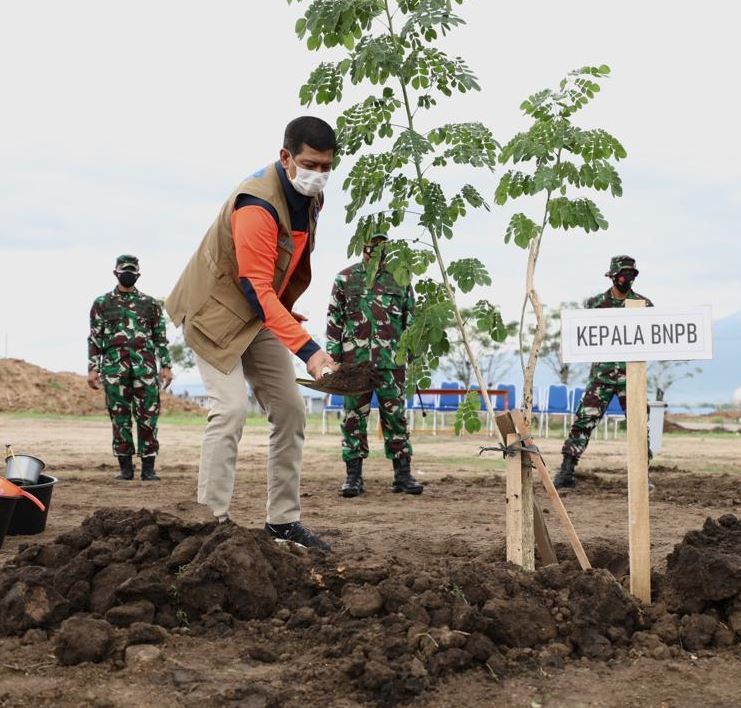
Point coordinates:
[(293, 657)]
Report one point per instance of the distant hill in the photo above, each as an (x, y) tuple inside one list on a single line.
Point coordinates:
[(27, 387)]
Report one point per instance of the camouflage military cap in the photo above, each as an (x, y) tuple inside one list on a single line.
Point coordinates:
[(126, 262), (617, 263)]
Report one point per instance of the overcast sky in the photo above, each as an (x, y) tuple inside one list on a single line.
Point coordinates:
[(124, 126)]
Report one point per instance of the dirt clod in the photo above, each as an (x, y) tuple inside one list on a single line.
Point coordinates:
[(124, 615), (83, 639), (362, 601), (144, 633), (142, 653)]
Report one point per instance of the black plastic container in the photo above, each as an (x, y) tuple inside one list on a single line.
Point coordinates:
[(7, 507), (27, 518)]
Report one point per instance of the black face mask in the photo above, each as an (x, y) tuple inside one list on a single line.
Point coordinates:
[(624, 281), (127, 279)]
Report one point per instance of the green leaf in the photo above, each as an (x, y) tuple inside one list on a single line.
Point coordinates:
[(426, 67), (330, 22), (468, 273), (375, 59), (426, 339), (428, 15), (489, 321), (468, 414), (324, 85), (470, 144), (578, 213), (366, 228), (404, 262), (522, 229)]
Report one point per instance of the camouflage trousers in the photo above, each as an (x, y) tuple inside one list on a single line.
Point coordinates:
[(126, 394), (391, 406), (605, 381)]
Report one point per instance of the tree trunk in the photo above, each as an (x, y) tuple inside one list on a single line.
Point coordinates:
[(532, 297)]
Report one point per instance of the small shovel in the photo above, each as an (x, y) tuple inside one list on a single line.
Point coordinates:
[(364, 380), (8, 489)]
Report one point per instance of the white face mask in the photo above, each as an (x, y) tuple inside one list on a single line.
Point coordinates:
[(308, 182)]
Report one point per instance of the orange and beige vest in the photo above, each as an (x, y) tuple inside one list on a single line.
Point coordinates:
[(218, 323)]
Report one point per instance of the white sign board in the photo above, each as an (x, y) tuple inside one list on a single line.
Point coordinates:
[(636, 334)]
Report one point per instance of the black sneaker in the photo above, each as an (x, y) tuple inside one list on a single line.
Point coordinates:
[(297, 533)]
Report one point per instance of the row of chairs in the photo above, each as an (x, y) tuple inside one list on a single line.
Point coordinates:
[(553, 400), (436, 404), (559, 399)]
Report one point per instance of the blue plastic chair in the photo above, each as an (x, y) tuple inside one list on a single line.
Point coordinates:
[(427, 406), (510, 400), (335, 402), (615, 412), (577, 394), (539, 407), (484, 410), (447, 402), (557, 403)]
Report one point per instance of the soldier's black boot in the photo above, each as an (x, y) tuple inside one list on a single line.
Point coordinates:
[(127, 467), (353, 484), (403, 479), (148, 474), (566, 478)]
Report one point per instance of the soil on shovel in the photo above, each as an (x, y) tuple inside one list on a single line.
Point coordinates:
[(350, 379), (380, 632)]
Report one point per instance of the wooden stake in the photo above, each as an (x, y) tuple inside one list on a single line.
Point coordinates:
[(543, 544), (519, 517), (522, 428), (639, 531)]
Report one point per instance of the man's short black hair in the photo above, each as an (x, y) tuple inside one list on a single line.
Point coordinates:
[(310, 131)]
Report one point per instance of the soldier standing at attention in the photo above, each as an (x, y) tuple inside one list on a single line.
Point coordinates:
[(127, 336), (364, 323), (606, 379)]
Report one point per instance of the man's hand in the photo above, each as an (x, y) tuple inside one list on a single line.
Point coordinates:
[(93, 379), (299, 317), (320, 361), (166, 377)]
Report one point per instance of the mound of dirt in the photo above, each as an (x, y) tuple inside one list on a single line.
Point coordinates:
[(27, 387), (386, 630), (704, 570)]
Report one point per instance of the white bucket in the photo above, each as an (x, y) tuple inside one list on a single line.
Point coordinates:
[(656, 424)]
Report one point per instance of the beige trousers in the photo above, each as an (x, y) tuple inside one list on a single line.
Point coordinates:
[(267, 366)]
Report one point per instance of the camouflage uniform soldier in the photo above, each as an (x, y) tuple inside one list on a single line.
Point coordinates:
[(127, 335), (606, 379), (365, 324)]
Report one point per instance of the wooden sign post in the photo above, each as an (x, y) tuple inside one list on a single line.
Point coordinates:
[(636, 334), (639, 527)]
